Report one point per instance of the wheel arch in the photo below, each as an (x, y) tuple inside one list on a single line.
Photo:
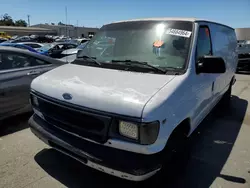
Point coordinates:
[(184, 127)]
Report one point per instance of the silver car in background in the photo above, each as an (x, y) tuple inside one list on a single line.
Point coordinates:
[(17, 69), (71, 54)]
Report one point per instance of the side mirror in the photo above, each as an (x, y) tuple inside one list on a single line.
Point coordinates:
[(78, 54), (211, 64)]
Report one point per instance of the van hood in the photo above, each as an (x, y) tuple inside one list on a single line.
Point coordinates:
[(114, 91)]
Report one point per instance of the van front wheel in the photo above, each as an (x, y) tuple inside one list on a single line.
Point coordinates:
[(174, 159)]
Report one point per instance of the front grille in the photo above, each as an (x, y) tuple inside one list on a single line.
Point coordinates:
[(73, 120)]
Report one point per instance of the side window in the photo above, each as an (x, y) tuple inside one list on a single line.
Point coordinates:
[(14, 61), (38, 62), (33, 45), (70, 46), (59, 46), (204, 45), (21, 47)]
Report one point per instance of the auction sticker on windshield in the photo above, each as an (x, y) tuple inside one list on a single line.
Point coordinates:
[(178, 32)]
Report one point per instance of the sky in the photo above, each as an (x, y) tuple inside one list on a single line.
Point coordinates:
[(95, 13)]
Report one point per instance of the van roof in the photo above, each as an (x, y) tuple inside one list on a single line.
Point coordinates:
[(172, 19)]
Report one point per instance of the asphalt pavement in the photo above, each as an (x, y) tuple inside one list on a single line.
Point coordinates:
[(219, 155)]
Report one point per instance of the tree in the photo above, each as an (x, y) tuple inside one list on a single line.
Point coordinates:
[(6, 20), (60, 23), (21, 23)]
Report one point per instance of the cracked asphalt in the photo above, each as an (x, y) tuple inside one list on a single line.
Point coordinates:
[(219, 156)]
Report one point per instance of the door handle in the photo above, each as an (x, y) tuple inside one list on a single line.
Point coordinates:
[(33, 73)]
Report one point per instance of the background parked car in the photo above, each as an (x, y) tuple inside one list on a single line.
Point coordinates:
[(63, 39), (21, 46), (3, 40), (20, 39), (79, 41), (32, 38), (73, 50), (41, 39), (33, 45), (14, 37), (4, 35), (17, 69), (243, 56), (55, 49)]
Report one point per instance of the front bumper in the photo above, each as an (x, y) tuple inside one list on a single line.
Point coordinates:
[(116, 162)]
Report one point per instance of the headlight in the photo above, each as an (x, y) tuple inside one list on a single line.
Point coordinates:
[(144, 133), (129, 130)]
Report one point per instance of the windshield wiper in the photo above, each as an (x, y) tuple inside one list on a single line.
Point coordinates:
[(140, 63), (91, 58)]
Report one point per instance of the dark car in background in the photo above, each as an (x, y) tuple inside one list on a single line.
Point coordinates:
[(243, 56), (3, 40), (55, 49), (43, 39), (17, 69)]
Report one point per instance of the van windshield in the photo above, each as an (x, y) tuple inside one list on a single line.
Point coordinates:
[(163, 45)]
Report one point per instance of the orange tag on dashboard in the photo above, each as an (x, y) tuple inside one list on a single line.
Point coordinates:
[(207, 32), (158, 43)]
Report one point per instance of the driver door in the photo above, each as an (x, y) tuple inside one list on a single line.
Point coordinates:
[(14, 81), (203, 83)]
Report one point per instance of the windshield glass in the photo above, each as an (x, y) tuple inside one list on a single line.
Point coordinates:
[(46, 47), (75, 41), (160, 44)]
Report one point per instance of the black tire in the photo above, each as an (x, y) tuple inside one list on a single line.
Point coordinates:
[(174, 158), (226, 99)]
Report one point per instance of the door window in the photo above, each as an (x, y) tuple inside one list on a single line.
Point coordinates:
[(204, 45), (21, 47), (14, 61), (34, 45), (58, 47), (70, 46)]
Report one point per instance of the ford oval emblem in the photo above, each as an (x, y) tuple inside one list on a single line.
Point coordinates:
[(67, 96)]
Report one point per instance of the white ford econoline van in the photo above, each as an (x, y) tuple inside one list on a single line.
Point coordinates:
[(136, 91)]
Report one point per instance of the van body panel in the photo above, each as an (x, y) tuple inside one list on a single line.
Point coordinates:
[(164, 98)]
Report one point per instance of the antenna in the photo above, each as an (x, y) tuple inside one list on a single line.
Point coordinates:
[(77, 28), (66, 16), (28, 20)]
